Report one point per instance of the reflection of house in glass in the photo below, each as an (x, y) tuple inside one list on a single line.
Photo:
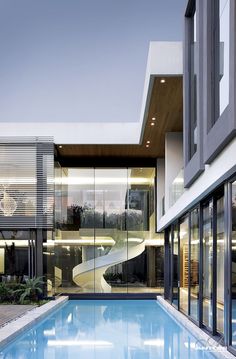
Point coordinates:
[(108, 251)]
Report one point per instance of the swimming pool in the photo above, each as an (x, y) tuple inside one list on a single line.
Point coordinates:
[(114, 329)]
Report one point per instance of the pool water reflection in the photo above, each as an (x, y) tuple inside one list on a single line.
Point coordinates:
[(117, 329)]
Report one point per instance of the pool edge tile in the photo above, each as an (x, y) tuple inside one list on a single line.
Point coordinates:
[(193, 329), (11, 330)]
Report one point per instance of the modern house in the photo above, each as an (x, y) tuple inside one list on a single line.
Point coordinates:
[(137, 208), (198, 215)]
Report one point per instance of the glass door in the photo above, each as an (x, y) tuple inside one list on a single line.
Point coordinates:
[(194, 264), (213, 263), (220, 275), (184, 265), (233, 266), (207, 269), (175, 267)]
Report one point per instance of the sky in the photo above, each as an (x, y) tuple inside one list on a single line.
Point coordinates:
[(79, 60)]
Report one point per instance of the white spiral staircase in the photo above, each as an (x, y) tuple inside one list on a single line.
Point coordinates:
[(89, 274)]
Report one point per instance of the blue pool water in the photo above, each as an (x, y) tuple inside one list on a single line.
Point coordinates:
[(107, 329)]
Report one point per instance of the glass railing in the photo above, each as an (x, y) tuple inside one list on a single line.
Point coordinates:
[(177, 187)]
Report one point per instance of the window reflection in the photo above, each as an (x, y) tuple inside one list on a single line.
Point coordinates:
[(105, 231), (194, 264), (175, 268), (233, 258), (184, 270), (15, 255), (207, 263), (220, 265)]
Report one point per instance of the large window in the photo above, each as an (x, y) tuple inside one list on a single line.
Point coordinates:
[(198, 263), (194, 263), (207, 263), (105, 231), (220, 274), (175, 266), (17, 255), (233, 266), (184, 264)]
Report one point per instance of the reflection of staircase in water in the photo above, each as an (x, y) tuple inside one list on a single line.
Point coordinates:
[(89, 275)]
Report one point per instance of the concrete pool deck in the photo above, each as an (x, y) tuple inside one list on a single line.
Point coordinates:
[(9, 312), (12, 329), (202, 338)]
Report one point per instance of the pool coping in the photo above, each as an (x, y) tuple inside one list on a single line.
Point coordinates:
[(17, 326), (217, 349)]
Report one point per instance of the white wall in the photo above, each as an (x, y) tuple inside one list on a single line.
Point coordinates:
[(223, 166), (173, 161)]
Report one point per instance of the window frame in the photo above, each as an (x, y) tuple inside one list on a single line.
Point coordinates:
[(193, 162), (218, 129)]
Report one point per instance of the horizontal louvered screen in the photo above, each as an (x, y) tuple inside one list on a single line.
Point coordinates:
[(26, 182)]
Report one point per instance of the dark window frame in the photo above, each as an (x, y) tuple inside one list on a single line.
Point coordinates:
[(219, 129), (193, 161)]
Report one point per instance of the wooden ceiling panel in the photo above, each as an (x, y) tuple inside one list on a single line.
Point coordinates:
[(166, 105)]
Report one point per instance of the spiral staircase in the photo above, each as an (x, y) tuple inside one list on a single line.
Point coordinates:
[(89, 275)]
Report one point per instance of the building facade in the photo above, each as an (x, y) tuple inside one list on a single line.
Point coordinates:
[(199, 220), (146, 207)]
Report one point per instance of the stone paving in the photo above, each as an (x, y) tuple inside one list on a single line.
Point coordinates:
[(9, 312)]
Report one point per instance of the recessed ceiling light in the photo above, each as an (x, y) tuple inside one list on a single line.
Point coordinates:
[(152, 124), (153, 118), (162, 81), (147, 145), (60, 146), (148, 141)]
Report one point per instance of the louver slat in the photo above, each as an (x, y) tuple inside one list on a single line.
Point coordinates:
[(26, 182)]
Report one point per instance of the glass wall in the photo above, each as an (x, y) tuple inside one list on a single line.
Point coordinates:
[(167, 264), (16, 255), (184, 261), (175, 266), (194, 264), (48, 262), (207, 263), (233, 267), (204, 274), (105, 238), (220, 273), (74, 236), (111, 198)]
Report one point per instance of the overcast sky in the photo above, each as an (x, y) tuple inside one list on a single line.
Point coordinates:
[(79, 60)]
